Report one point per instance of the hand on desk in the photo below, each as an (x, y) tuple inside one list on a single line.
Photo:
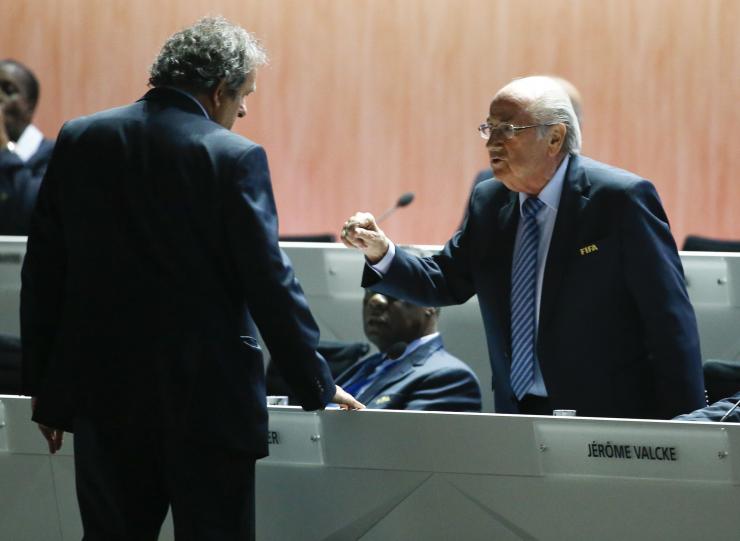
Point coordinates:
[(346, 401), (53, 436)]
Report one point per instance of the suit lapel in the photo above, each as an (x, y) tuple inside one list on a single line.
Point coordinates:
[(359, 369), (398, 372), (508, 219), (572, 202)]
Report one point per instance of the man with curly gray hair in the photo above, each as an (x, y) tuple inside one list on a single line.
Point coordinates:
[(210, 60), (152, 259)]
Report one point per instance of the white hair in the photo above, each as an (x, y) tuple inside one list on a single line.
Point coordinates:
[(548, 103)]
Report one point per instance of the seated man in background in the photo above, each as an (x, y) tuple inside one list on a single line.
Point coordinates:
[(24, 152), (412, 370)]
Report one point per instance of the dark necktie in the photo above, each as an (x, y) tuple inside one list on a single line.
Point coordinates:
[(367, 375)]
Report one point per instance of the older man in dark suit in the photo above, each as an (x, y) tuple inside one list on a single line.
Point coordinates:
[(153, 252), (577, 275)]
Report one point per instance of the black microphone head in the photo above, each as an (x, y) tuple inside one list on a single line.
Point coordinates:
[(405, 199), (396, 350)]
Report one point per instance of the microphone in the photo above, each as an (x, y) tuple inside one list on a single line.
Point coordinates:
[(396, 350), (403, 201), (730, 411)]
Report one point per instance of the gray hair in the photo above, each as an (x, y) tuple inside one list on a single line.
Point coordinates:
[(554, 106), (201, 56)]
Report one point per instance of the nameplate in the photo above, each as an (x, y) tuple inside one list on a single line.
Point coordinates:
[(293, 437), (650, 451)]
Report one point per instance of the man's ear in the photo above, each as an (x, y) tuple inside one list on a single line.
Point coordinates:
[(218, 93), (556, 139)]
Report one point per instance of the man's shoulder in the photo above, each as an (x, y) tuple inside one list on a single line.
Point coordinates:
[(227, 139), (441, 360), (602, 175), (184, 128), (107, 115)]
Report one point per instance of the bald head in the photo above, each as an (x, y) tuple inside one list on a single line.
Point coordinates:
[(531, 127)]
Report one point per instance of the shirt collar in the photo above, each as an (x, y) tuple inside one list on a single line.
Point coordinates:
[(550, 194), (190, 96), (28, 143)]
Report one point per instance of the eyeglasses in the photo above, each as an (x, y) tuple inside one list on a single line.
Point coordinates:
[(505, 131)]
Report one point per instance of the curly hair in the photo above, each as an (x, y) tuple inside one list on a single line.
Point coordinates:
[(204, 54)]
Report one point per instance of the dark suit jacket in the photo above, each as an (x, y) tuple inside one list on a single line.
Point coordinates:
[(617, 335), (429, 378), (19, 186), (153, 245), (10, 364), (715, 412)]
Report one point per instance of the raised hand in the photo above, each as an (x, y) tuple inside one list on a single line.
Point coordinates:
[(362, 232)]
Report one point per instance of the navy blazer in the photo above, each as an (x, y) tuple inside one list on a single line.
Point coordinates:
[(429, 378), (716, 411), (152, 253), (617, 335), (19, 186)]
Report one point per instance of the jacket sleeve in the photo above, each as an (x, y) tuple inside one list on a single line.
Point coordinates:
[(43, 275), (274, 297), (440, 280)]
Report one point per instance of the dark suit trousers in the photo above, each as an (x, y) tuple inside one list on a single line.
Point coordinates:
[(128, 476)]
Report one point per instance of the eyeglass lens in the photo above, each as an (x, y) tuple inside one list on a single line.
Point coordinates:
[(504, 131)]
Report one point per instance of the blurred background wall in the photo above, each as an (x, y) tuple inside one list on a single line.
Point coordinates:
[(366, 99)]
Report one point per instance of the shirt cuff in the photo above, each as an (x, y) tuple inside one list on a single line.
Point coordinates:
[(382, 266)]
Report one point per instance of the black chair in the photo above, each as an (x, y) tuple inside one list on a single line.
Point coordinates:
[(694, 243), (721, 378)]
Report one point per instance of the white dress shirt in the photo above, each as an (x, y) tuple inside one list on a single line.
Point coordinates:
[(28, 143)]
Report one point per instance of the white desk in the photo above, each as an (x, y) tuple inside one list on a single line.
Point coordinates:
[(330, 275), (389, 475)]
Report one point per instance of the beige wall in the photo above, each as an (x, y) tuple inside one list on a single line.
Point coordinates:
[(366, 99)]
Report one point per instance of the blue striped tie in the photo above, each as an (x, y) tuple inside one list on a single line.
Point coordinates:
[(523, 286)]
